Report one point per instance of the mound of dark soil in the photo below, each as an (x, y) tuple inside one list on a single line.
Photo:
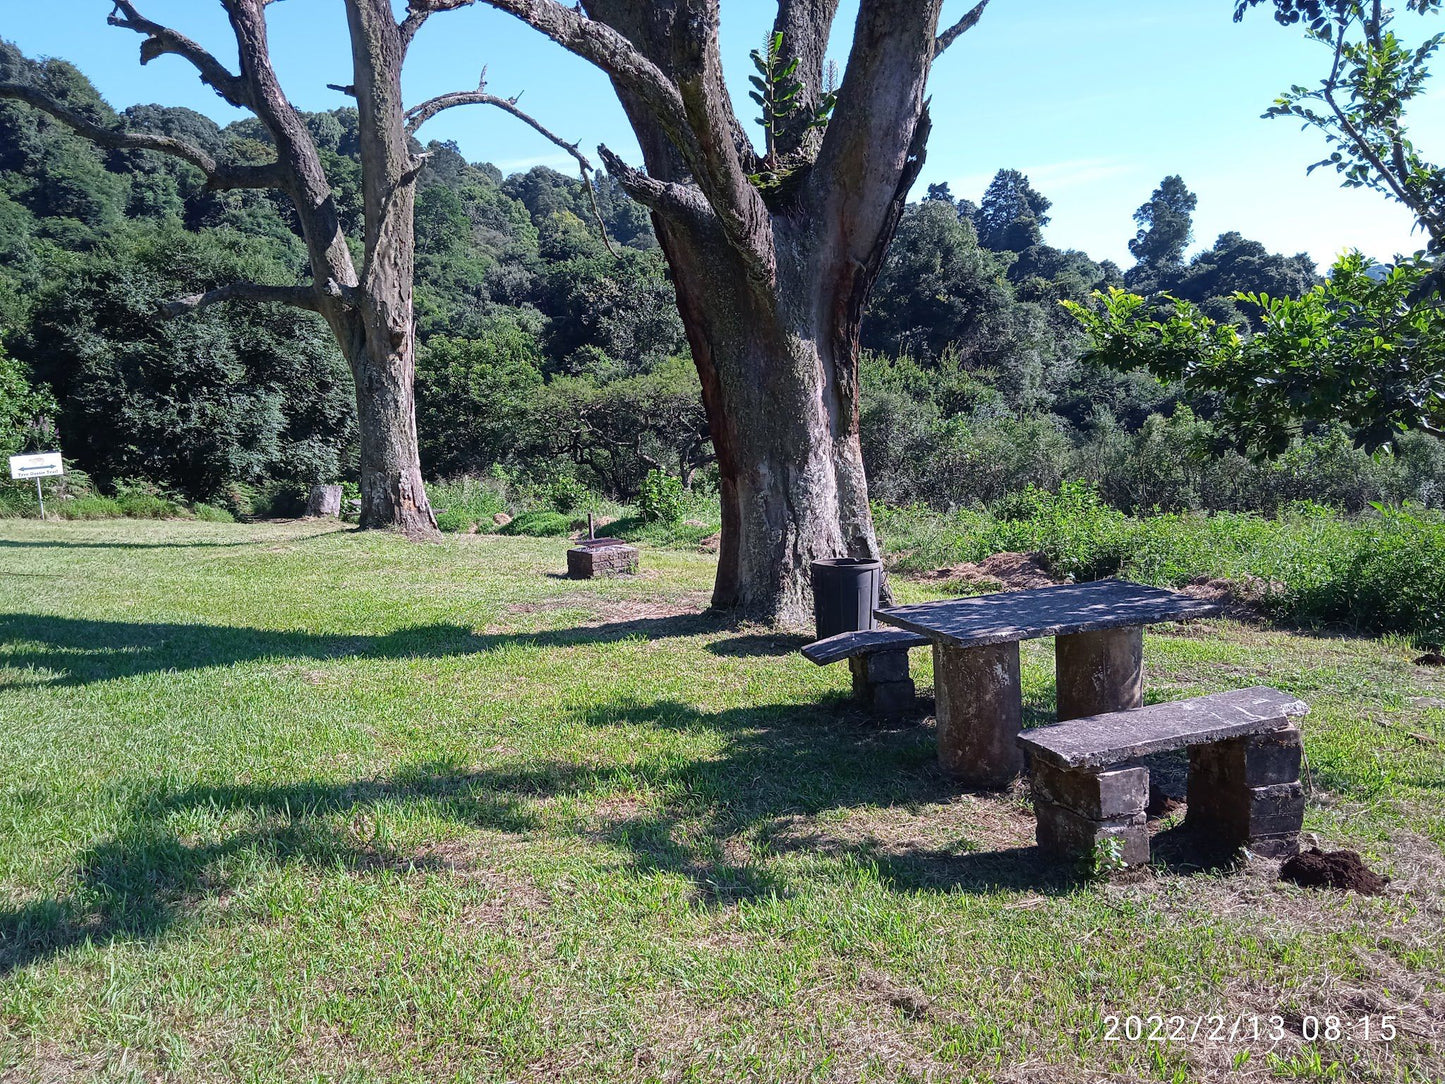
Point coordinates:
[(1001, 572), (1344, 870)]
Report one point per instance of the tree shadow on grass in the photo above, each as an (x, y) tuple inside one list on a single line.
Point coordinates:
[(83, 651), (704, 819), (75, 544)]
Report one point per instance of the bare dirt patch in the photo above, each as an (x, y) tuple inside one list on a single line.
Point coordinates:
[(1242, 600), (1001, 572)]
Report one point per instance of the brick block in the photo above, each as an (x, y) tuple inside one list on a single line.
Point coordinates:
[(1120, 792), (890, 697), (1063, 832), (590, 562), (1260, 760), (880, 666), (1245, 814)]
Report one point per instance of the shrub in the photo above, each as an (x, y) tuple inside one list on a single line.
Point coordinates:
[(140, 499), (661, 498), (239, 499), (566, 494), (455, 520), (90, 508), (467, 500), (210, 513), (541, 523), (279, 500)]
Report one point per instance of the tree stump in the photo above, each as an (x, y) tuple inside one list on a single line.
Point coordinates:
[(324, 501)]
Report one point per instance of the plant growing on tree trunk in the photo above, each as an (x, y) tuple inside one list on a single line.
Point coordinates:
[(369, 309), (772, 268)]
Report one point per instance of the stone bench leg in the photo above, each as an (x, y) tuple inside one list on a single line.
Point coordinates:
[(1246, 791), (980, 712), (1099, 672), (1079, 809), (881, 681)]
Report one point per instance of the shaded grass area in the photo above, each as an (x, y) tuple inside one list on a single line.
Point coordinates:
[(286, 802)]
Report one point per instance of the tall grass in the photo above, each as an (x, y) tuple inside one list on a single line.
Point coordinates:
[(1383, 571)]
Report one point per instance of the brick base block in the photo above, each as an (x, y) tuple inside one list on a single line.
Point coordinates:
[(881, 681), (589, 562), (1067, 833), (1246, 791), (1078, 810)]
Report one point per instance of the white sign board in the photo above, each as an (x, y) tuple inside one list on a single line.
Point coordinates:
[(39, 465)]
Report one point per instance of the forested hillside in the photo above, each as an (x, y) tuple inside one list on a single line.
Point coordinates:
[(558, 358)]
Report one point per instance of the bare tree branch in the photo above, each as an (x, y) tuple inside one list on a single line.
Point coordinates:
[(301, 297), (417, 12), (607, 49), (418, 115), (958, 29), (679, 201), (162, 39), (219, 175)]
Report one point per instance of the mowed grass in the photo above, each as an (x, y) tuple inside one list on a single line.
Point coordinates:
[(284, 802)]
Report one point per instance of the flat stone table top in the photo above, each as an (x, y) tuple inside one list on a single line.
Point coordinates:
[(1045, 611)]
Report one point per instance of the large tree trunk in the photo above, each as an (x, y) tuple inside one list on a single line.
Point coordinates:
[(392, 494), (773, 255), (384, 362), (779, 384)]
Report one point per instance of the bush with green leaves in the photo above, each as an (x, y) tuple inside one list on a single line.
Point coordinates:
[(23, 405), (540, 523), (233, 393), (1366, 348), (467, 501), (661, 498)]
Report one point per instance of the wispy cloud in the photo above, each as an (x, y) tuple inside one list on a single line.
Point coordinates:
[(1049, 176), (520, 165)]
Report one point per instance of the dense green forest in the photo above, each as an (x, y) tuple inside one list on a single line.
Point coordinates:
[(547, 356)]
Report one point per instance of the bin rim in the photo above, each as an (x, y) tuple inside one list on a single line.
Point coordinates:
[(847, 562)]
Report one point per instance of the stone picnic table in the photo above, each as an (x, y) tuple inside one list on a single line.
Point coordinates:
[(1099, 660)]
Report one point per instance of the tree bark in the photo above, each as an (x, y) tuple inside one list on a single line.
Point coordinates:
[(392, 493), (772, 273), (784, 429)]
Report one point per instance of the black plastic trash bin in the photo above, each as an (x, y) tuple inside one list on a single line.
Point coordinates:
[(845, 594)]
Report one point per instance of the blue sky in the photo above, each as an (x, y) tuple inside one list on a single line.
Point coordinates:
[(1095, 101)]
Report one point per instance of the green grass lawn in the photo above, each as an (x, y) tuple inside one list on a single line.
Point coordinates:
[(284, 802)]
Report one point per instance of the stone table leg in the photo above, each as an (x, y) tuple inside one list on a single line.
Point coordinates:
[(1099, 672), (980, 712)]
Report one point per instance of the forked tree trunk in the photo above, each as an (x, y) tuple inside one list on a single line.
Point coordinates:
[(772, 256)]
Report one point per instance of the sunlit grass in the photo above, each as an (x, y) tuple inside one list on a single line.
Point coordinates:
[(284, 802)]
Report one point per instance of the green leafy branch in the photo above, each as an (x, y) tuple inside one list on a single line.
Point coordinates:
[(778, 92), (1366, 348)]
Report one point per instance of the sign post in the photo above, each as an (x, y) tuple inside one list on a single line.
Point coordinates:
[(39, 465)]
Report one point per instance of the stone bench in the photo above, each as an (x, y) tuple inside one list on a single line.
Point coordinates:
[(1244, 766), (878, 659)]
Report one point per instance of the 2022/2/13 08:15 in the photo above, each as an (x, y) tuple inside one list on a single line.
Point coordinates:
[(1246, 1027)]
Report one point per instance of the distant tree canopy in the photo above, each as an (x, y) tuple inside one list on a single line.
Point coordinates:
[(1166, 226), (1012, 215), (538, 352), (1362, 348)]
